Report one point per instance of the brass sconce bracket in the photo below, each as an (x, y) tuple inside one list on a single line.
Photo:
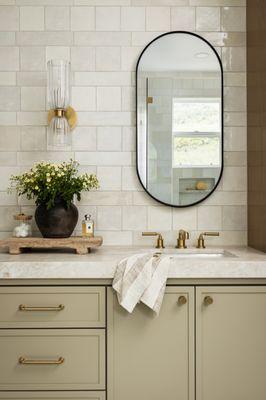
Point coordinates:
[(70, 114)]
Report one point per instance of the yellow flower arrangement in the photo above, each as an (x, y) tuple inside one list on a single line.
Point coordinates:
[(46, 181)]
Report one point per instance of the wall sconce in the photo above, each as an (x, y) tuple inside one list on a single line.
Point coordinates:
[(61, 118)]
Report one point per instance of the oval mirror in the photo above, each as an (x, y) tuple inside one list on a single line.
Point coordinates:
[(179, 119)]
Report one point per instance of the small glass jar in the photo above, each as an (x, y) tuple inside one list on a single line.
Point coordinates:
[(23, 228)]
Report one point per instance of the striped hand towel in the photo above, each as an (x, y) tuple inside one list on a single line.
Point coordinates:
[(141, 277)]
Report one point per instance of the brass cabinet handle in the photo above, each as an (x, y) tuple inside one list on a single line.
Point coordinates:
[(208, 300), (182, 300), (23, 307), (27, 361)]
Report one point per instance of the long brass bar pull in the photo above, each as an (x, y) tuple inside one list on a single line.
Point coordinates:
[(27, 361), (23, 307)]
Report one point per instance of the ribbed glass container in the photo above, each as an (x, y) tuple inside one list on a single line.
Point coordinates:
[(58, 97), (59, 132), (58, 84)]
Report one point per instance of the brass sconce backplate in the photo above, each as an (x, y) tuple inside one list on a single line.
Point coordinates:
[(69, 113)]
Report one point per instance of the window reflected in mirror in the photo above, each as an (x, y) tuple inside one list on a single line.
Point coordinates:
[(196, 132)]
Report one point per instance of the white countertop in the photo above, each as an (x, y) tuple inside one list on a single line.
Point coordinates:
[(101, 264)]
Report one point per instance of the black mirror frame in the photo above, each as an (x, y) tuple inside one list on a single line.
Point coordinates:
[(222, 118)]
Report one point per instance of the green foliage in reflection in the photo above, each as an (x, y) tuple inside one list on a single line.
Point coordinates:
[(194, 150)]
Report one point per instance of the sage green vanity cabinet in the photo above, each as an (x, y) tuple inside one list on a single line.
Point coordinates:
[(231, 343), (150, 357), (73, 341)]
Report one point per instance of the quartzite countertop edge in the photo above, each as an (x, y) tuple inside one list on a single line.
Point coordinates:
[(101, 264)]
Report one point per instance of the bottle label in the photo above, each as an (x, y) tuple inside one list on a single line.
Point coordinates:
[(87, 228)]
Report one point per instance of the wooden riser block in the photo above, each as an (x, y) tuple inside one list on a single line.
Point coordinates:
[(80, 244)]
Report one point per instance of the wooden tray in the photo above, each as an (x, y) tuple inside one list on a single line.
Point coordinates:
[(80, 244)]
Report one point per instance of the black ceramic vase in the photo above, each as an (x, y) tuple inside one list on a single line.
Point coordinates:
[(57, 222)]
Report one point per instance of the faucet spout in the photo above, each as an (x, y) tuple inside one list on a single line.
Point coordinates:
[(181, 240)]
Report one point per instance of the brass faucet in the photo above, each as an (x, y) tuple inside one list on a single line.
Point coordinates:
[(201, 241), (181, 240), (159, 244)]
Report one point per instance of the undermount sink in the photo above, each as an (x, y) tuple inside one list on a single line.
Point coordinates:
[(190, 253)]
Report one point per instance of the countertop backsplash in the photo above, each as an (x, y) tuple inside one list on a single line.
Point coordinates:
[(103, 40)]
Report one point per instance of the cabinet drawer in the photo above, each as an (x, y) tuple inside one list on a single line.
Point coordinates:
[(52, 396), (52, 307), (51, 359)]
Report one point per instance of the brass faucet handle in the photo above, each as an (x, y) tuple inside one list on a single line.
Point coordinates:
[(150, 233), (211, 233), (160, 243), (201, 241)]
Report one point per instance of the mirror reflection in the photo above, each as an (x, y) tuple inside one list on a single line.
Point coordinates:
[(179, 119)]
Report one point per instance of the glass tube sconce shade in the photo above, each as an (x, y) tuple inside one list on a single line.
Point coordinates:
[(58, 96)]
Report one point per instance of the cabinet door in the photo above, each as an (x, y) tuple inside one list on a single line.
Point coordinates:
[(151, 357), (231, 343)]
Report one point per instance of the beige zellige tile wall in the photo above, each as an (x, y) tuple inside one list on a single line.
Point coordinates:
[(103, 39)]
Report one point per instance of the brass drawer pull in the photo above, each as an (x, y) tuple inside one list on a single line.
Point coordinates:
[(182, 300), (22, 307), (208, 300), (25, 361)]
